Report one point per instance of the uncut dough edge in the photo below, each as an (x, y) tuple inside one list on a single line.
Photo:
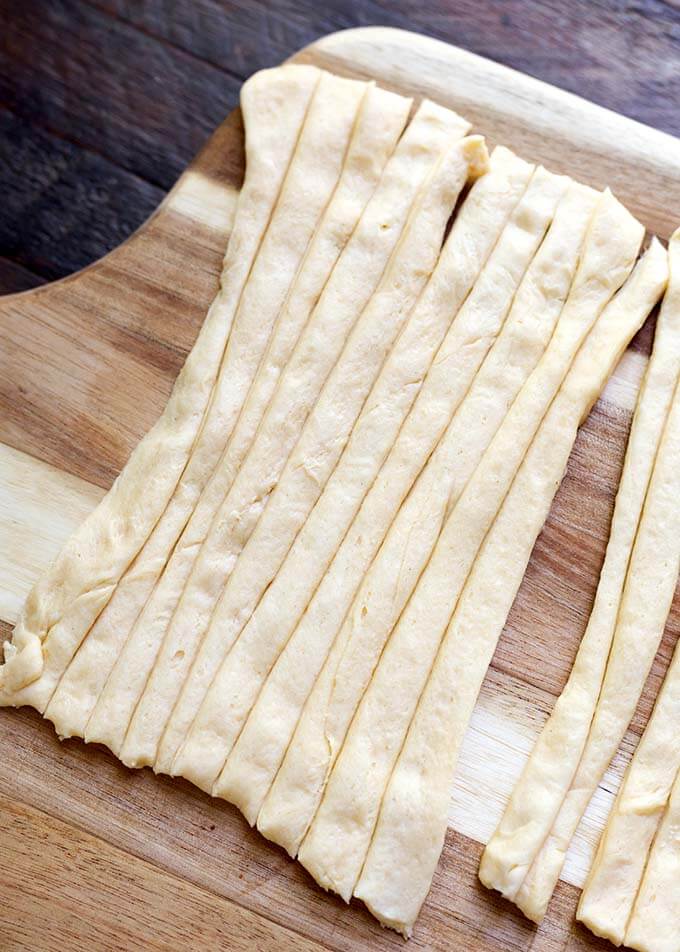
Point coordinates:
[(65, 601)]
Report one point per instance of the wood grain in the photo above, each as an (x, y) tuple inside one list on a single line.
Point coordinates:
[(119, 902), (87, 363)]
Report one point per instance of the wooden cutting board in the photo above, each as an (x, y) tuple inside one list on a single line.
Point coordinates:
[(100, 857)]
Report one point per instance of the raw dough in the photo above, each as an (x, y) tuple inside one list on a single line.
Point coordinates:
[(67, 600), (135, 611), (654, 923), (295, 793), (646, 600), (412, 824), (336, 843), (227, 701), (380, 122), (553, 762), (257, 755), (347, 292)]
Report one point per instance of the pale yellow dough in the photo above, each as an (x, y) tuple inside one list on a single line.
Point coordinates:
[(553, 761), (228, 699), (410, 831), (351, 286), (379, 124), (135, 611), (647, 596), (66, 601), (653, 926), (257, 754), (295, 793), (335, 846)]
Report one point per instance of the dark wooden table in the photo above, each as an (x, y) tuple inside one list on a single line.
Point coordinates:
[(103, 102)]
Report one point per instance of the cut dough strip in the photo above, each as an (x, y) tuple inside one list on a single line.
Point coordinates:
[(311, 178), (646, 600), (653, 926), (412, 825), (296, 393), (336, 843), (612, 885), (257, 755), (554, 760), (67, 600), (226, 703), (382, 118)]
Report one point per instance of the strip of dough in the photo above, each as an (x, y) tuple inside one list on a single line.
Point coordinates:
[(311, 177), (337, 840), (412, 825), (646, 601), (550, 769), (253, 763), (221, 713), (347, 292), (295, 793), (653, 926), (64, 604), (239, 679), (613, 882), (382, 118)]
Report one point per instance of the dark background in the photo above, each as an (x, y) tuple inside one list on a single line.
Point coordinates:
[(103, 102)]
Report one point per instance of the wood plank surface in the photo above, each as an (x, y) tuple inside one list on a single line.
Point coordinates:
[(85, 366)]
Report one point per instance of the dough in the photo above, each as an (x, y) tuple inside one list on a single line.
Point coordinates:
[(380, 122), (612, 885), (253, 763), (135, 610), (654, 923), (295, 793), (349, 289), (67, 600), (412, 824), (646, 600), (336, 843), (228, 700), (551, 766)]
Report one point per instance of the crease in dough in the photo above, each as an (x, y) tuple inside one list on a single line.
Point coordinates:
[(67, 600), (252, 765), (338, 838), (358, 634), (413, 819), (221, 712), (350, 287), (645, 603), (381, 120), (549, 771)]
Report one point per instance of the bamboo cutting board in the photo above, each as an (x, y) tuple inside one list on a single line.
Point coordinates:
[(95, 856)]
